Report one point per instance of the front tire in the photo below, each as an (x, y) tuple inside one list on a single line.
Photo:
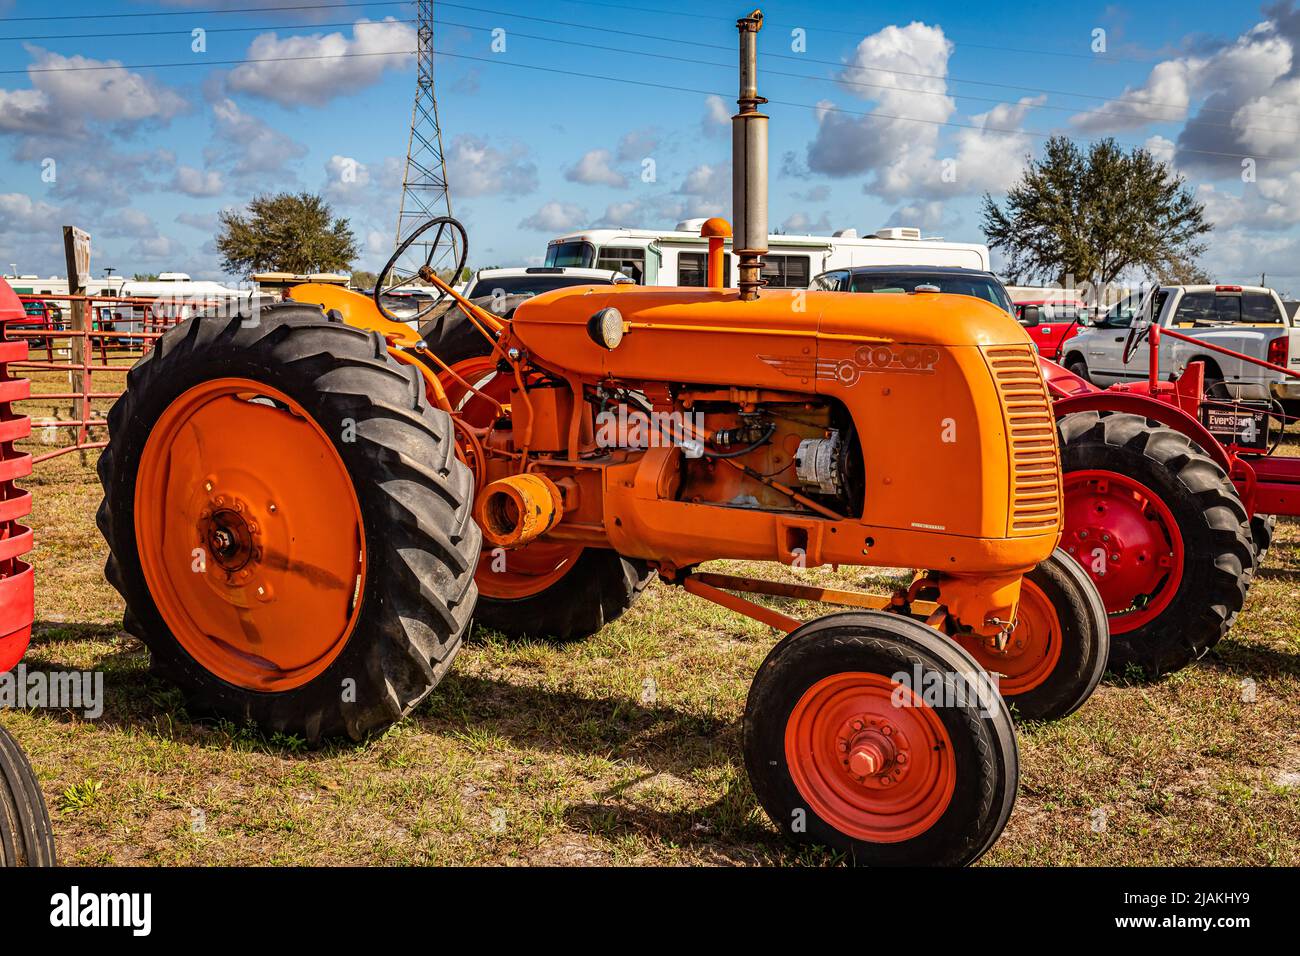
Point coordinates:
[(845, 749), (1056, 655), (288, 523), (1159, 528)]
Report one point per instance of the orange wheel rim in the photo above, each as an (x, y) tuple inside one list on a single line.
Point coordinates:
[(521, 572), (1033, 650), (250, 535), (872, 769)]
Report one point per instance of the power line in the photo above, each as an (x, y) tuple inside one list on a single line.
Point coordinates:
[(187, 32), (946, 78), (206, 13), (166, 66)]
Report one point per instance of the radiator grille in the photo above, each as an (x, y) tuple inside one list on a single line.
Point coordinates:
[(1035, 460)]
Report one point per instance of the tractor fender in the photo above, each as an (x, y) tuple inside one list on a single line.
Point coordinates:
[(1134, 403)]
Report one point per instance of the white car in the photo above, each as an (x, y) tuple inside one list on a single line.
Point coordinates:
[(534, 280), (1246, 319)]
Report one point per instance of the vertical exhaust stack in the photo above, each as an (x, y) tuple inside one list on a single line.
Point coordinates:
[(749, 164)]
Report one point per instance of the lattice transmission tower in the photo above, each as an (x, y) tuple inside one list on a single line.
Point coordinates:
[(424, 184)]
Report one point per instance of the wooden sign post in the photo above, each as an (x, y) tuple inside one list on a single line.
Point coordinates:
[(76, 249)]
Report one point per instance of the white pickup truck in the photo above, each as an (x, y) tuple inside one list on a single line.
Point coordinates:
[(1246, 319)]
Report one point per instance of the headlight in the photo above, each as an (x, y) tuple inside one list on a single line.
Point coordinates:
[(606, 328)]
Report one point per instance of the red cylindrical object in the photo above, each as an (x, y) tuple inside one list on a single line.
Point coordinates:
[(17, 582)]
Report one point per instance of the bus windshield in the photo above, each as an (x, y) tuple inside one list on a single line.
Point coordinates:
[(576, 254)]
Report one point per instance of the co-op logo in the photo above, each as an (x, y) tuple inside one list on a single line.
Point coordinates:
[(865, 360)]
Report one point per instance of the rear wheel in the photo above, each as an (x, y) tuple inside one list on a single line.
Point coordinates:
[(288, 523), (869, 733), (1159, 528), (1057, 651), (548, 589), (1261, 532), (26, 838)]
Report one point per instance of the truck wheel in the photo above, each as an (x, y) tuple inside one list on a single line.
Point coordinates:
[(1077, 366), (288, 522), (1160, 529), (1058, 650), (547, 589), (869, 733), (26, 838)]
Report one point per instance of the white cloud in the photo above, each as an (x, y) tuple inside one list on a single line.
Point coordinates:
[(342, 65), (346, 179), (197, 182), (249, 145), (637, 145), (717, 118), (594, 169), (707, 179), (1163, 98), (556, 217), (802, 223), (475, 168)]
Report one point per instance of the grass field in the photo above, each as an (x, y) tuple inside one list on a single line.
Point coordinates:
[(622, 749)]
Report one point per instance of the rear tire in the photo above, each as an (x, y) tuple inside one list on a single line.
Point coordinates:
[(809, 693), (418, 549), (1056, 656), (26, 838), (1177, 622), (1262, 528), (600, 586)]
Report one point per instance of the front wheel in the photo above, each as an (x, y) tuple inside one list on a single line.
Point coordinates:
[(868, 733), (1056, 653)]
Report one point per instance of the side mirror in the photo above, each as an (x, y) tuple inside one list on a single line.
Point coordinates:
[(1030, 315)]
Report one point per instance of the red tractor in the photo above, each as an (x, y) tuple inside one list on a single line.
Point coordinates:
[(25, 838), (1170, 500)]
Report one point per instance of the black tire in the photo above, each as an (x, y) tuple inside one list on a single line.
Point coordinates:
[(26, 838), (600, 586), (875, 642), (415, 496), (1219, 555), (1262, 528), (1084, 642), (1077, 366)]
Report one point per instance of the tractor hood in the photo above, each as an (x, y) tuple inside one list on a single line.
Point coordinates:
[(709, 335)]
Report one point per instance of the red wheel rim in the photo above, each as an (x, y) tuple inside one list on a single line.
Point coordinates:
[(520, 572), (872, 769), (1033, 650), (1126, 539)]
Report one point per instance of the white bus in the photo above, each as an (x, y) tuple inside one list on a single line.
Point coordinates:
[(679, 257)]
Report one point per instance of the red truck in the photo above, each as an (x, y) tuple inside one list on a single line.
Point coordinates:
[(1050, 322)]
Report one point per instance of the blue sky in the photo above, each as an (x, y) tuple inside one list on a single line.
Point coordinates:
[(888, 113)]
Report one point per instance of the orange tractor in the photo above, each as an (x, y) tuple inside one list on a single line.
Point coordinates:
[(307, 505)]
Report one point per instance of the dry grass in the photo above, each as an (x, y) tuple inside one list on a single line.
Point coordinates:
[(532, 754)]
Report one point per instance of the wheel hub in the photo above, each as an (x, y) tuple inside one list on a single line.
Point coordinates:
[(1126, 539), (230, 538), (873, 751)]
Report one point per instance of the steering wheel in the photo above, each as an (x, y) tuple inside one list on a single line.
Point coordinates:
[(1137, 334), (416, 260)]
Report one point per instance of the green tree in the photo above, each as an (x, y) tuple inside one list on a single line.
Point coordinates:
[(287, 232), (363, 279), (1095, 217)]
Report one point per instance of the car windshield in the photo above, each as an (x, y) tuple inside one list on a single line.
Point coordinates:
[(574, 255), (981, 287), (528, 284)]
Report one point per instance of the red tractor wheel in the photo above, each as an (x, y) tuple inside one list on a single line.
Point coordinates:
[(1057, 652), (26, 838), (550, 590), (868, 733), (1161, 531)]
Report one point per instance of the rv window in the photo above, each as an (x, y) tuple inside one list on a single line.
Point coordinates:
[(629, 261), (786, 272), (692, 269), (570, 254)]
